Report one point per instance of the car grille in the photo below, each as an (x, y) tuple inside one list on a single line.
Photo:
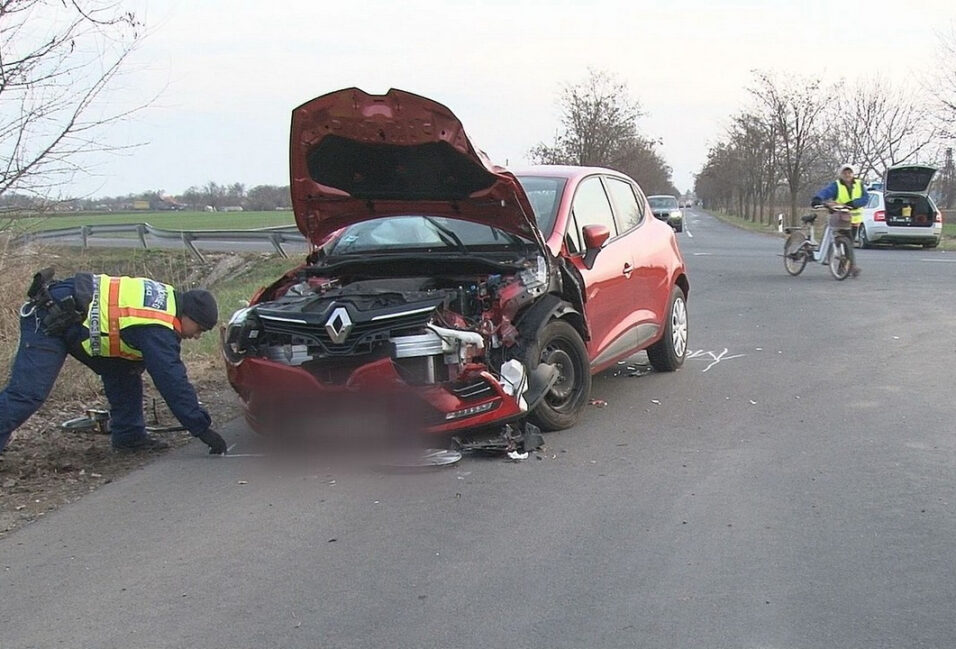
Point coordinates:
[(364, 337), (473, 391)]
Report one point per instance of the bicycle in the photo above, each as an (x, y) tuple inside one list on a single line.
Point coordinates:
[(835, 249), (98, 420)]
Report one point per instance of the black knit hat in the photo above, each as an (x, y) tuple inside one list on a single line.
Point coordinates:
[(200, 305)]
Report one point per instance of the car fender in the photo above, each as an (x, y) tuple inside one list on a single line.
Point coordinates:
[(549, 307)]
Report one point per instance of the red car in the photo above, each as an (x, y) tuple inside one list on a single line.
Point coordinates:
[(441, 285)]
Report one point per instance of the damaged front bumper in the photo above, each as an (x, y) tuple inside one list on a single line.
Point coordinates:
[(283, 394)]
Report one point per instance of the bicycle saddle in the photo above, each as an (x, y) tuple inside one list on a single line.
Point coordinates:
[(808, 218)]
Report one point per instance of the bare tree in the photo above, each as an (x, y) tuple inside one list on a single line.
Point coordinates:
[(877, 126), (58, 58), (943, 86), (795, 109), (599, 120)]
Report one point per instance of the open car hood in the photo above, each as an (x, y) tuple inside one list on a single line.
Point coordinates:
[(909, 179), (355, 157)]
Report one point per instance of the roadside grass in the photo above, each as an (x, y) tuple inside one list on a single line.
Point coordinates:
[(947, 242), (164, 220), (232, 278)]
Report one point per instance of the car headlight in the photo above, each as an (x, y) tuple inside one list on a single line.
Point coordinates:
[(676, 214), (239, 316), (241, 334)]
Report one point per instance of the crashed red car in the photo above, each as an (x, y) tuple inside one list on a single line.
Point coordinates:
[(446, 286)]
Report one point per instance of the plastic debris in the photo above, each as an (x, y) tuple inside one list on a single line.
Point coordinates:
[(516, 456), (598, 403)]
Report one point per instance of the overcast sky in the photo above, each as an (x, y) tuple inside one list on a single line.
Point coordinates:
[(228, 72)]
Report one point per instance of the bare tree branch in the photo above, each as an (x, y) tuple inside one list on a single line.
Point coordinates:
[(58, 59)]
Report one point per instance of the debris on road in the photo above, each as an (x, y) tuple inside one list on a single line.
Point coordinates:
[(510, 439)]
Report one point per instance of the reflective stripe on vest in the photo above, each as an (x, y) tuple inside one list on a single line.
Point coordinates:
[(120, 302), (844, 196)]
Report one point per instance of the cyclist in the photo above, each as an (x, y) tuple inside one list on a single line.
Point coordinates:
[(847, 190)]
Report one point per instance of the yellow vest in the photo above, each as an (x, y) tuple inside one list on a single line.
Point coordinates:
[(845, 196), (120, 302)]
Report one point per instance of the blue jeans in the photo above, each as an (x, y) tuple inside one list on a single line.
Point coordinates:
[(38, 362)]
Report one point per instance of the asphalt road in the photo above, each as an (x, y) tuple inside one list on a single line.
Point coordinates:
[(791, 486)]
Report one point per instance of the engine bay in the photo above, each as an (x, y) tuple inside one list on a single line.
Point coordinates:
[(433, 329)]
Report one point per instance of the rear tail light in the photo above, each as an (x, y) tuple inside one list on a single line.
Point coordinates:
[(939, 217), (879, 215)]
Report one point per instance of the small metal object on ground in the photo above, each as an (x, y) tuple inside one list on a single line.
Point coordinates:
[(95, 419)]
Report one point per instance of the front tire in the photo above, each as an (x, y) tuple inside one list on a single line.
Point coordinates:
[(841, 258), (561, 345), (668, 353), (795, 253)]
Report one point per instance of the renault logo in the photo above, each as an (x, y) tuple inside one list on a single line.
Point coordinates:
[(339, 325)]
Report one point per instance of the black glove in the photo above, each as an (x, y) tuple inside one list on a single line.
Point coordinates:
[(215, 442)]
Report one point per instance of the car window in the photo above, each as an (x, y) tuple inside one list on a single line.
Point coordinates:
[(625, 202), (591, 206), (418, 232), (663, 202), (874, 200), (545, 195)]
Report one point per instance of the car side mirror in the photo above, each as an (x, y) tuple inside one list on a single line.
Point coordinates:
[(595, 236)]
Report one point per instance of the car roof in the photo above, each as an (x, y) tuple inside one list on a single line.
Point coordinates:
[(566, 171)]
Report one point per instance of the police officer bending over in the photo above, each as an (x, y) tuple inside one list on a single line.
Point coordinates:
[(116, 326)]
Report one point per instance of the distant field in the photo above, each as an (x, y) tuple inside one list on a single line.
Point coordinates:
[(164, 220)]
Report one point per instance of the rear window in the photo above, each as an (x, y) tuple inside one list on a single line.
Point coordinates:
[(622, 195)]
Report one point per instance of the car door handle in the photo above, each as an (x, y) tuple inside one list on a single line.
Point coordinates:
[(628, 269)]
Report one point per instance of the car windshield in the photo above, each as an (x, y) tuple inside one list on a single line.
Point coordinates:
[(421, 233), (663, 202), (545, 196)]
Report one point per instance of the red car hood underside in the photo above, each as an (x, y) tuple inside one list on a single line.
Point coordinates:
[(355, 156)]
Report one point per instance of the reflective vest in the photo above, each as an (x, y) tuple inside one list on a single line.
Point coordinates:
[(120, 302), (845, 196)]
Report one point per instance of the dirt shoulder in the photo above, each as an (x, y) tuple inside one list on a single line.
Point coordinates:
[(45, 467)]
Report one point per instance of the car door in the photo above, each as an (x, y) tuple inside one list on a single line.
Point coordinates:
[(649, 282), (609, 303)]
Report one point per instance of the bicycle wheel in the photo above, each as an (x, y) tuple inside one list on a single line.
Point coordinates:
[(795, 252), (841, 258)]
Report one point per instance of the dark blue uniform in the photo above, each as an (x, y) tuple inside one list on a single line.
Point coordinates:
[(40, 357)]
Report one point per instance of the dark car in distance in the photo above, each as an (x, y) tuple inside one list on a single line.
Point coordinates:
[(443, 285), (667, 208)]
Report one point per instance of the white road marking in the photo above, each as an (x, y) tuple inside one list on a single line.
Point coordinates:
[(715, 357)]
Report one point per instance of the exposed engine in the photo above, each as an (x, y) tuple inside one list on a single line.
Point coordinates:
[(432, 328)]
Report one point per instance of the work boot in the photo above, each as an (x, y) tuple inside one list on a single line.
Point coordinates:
[(144, 443), (855, 272)]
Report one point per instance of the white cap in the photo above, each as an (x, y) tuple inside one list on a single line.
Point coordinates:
[(846, 165)]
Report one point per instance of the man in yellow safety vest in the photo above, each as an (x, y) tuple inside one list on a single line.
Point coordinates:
[(118, 327), (847, 190)]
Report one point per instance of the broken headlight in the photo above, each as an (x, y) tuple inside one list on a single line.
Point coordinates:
[(241, 335)]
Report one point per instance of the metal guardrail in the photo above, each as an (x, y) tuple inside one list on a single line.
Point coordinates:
[(274, 235)]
